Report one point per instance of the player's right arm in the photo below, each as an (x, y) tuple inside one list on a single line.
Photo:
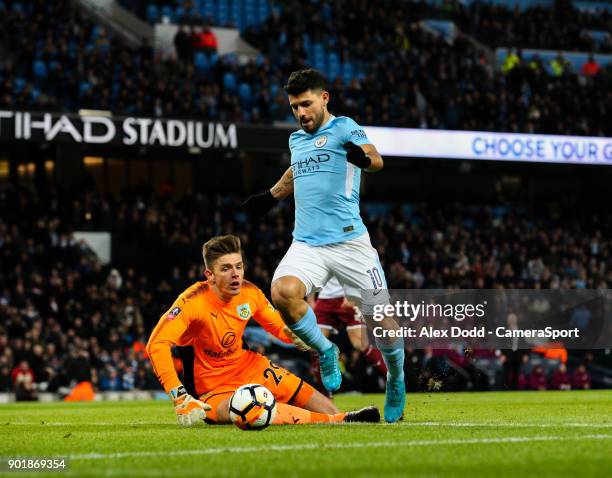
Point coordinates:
[(284, 187), (376, 160), (168, 331), (359, 150), (259, 204)]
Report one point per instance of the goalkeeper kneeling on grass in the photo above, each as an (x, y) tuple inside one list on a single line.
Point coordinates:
[(206, 323)]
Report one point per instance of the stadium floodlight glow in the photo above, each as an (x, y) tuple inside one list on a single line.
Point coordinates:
[(103, 113), (533, 148)]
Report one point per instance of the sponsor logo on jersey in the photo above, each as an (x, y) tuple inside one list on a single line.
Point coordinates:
[(359, 133), (244, 311), (309, 164), (228, 339), (173, 313), (321, 141), (219, 355)]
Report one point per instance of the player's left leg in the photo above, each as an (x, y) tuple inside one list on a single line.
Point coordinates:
[(291, 415), (318, 412), (356, 265), (317, 409), (308, 405), (219, 402), (305, 405), (297, 401)]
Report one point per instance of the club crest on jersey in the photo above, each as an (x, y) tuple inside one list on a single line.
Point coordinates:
[(173, 313), (321, 141), (244, 311)]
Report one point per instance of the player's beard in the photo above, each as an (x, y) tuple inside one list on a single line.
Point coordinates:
[(317, 120)]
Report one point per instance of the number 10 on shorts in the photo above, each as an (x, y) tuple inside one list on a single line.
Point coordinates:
[(376, 278)]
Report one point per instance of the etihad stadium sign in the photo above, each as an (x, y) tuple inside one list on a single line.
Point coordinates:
[(104, 129)]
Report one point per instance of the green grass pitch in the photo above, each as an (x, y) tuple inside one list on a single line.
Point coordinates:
[(463, 434)]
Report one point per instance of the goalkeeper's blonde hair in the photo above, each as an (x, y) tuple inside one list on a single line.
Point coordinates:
[(219, 246)]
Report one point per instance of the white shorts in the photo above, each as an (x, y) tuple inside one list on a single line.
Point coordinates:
[(354, 263)]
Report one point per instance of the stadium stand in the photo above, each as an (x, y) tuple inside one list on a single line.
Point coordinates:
[(424, 82), (560, 27), (69, 63), (236, 13)]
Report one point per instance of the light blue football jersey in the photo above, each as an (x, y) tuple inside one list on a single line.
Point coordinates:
[(326, 186)]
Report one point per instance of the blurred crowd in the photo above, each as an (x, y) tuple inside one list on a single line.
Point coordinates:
[(559, 379), (562, 27), (452, 370), (415, 79), (403, 76), (67, 318), (67, 62), (139, 7)]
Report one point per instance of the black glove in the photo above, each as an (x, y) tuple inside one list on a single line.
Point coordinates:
[(356, 155), (259, 204)]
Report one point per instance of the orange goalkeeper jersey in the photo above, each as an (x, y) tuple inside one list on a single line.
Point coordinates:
[(214, 328)]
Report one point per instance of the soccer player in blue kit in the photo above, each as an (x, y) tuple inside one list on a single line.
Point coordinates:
[(328, 155)]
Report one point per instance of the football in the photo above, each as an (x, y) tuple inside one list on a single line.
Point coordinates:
[(252, 407)]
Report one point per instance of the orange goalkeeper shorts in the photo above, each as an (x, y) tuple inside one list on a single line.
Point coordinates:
[(284, 385)]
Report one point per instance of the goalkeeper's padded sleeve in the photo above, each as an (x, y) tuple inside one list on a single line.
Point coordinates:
[(159, 348)]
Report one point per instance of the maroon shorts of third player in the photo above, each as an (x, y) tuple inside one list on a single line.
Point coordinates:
[(332, 315)]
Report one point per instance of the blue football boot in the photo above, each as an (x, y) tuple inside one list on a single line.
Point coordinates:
[(330, 370), (395, 400)]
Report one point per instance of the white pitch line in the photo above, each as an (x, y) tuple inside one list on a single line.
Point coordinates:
[(317, 446), (93, 424), (507, 424)]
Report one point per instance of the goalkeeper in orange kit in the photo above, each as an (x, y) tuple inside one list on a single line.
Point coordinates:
[(206, 323)]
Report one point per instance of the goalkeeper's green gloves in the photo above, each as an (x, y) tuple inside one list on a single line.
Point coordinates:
[(189, 411)]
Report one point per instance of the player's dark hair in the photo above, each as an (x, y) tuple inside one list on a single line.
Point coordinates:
[(219, 246), (304, 80)]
